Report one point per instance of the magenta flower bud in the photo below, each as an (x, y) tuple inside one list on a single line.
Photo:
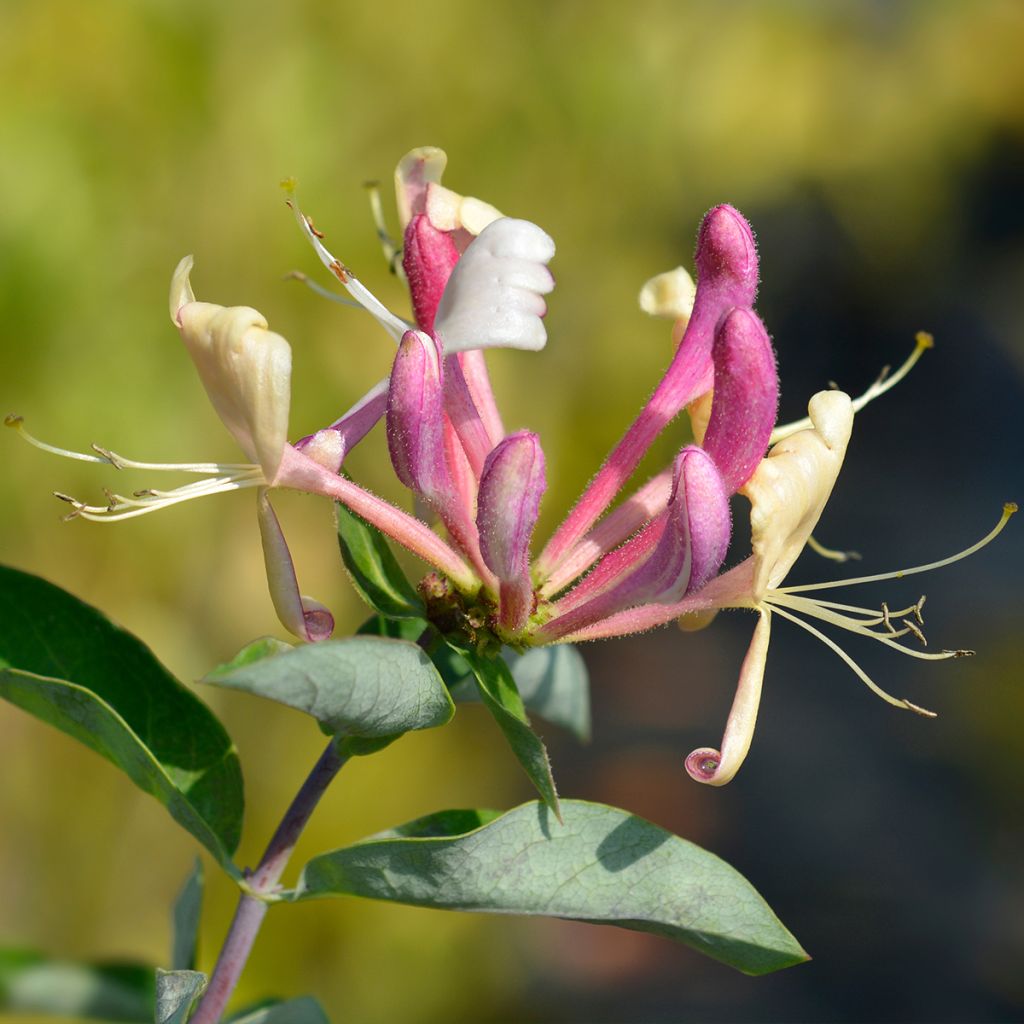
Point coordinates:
[(428, 258), (727, 256), (746, 397), (699, 511), (415, 422), (511, 486)]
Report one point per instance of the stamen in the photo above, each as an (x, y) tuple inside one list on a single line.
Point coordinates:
[(319, 289), (121, 507), (1008, 510), (392, 253), (106, 457), (924, 341), (391, 323), (831, 553), (860, 673), (808, 606)]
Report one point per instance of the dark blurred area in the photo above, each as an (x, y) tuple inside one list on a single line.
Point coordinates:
[(878, 150)]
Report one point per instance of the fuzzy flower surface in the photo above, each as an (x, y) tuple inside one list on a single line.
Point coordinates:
[(620, 561)]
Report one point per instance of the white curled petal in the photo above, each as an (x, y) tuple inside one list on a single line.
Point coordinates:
[(416, 171), (790, 487), (246, 370), (448, 211), (494, 297), (181, 288), (669, 295)]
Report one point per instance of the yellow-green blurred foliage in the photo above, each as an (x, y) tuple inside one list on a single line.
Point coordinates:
[(132, 133)]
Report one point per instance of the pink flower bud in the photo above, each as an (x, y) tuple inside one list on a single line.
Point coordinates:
[(746, 397), (511, 486)]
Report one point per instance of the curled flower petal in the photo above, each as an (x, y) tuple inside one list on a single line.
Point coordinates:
[(670, 295), (511, 486), (493, 298), (790, 487), (717, 767), (746, 397), (413, 175), (449, 211), (301, 616), (245, 368)]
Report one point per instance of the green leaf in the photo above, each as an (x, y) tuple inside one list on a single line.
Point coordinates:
[(176, 991), (375, 572), (264, 647), (552, 681), (185, 920), (33, 983), (603, 866), (362, 686), (304, 1010), (500, 696), (397, 629), (63, 662)]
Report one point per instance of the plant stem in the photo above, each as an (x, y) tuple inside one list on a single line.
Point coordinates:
[(252, 907)]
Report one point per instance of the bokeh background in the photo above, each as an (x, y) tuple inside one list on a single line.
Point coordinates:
[(877, 147)]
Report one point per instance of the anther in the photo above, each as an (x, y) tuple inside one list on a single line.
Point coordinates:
[(917, 610), (885, 618), (309, 224), (916, 630), (918, 710)]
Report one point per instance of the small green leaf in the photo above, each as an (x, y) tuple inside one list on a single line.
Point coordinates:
[(375, 572), (602, 865), (32, 983), (397, 629), (264, 647), (176, 991), (500, 696), (304, 1010), (553, 682), (185, 920), (362, 686), (63, 662)]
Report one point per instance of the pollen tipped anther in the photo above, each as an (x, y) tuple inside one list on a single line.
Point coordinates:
[(918, 710)]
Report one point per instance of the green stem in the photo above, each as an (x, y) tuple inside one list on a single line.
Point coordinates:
[(252, 906)]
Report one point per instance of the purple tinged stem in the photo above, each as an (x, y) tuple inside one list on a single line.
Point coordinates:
[(252, 908)]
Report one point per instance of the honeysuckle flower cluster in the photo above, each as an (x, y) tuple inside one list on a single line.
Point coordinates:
[(477, 280)]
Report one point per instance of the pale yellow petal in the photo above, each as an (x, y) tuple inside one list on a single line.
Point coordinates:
[(417, 169), (789, 489), (246, 370), (669, 295)]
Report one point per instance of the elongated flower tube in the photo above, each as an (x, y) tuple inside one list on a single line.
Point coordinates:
[(726, 262), (511, 487)]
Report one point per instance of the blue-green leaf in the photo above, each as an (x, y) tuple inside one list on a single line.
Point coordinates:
[(63, 662), (363, 686), (304, 1010), (375, 572), (33, 983), (185, 917), (552, 681), (500, 696), (176, 991), (601, 865)]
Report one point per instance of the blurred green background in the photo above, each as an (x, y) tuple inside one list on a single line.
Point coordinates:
[(878, 149)]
